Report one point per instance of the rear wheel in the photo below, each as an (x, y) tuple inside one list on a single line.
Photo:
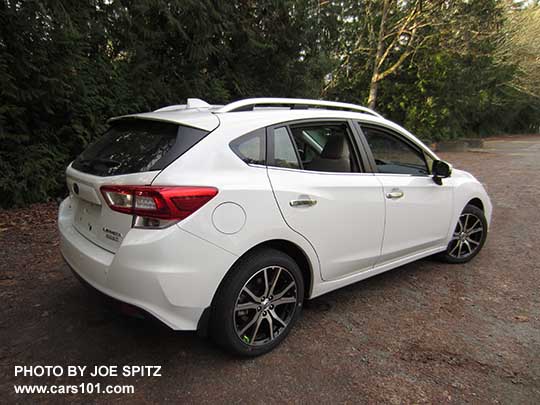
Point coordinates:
[(468, 238), (258, 303)]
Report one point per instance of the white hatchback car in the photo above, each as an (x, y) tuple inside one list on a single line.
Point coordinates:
[(225, 218)]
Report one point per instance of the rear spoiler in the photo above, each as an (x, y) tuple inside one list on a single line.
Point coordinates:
[(194, 118)]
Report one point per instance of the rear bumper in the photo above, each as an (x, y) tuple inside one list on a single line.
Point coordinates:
[(168, 273), (119, 306)]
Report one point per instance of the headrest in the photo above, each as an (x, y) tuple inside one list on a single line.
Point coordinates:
[(334, 148)]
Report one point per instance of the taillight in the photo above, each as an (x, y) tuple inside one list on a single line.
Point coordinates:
[(161, 203)]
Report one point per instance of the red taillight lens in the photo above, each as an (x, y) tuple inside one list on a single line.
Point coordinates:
[(170, 203)]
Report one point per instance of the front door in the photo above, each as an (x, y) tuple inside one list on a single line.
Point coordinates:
[(418, 211)]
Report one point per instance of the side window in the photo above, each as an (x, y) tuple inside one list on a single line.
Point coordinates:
[(251, 148), (393, 155), (284, 153), (325, 148)]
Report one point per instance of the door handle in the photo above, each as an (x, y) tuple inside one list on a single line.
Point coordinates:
[(395, 194), (303, 203)]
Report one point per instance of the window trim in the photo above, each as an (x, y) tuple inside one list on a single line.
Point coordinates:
[(401, 138), (357, 152)]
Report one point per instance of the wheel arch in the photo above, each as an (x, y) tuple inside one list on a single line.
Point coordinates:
[(477, 202), (467, 191), (290, 248)]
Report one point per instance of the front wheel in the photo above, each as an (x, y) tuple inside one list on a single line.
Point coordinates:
[(468, 238), (258, 303)]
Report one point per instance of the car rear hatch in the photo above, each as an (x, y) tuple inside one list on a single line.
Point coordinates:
[(132, 152)]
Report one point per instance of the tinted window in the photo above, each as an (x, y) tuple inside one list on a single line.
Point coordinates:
[(251, 148), (393, 155), (132, 146), (325, 148), (284, 154)]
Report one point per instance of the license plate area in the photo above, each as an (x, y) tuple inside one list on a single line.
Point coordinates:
[(87, 218)]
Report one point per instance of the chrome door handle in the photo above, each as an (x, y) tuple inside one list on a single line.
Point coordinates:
[(395, 194), (303, 203)]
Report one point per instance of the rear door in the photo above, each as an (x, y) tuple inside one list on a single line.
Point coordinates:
[(418, 211), (325, 195), (131, 152)]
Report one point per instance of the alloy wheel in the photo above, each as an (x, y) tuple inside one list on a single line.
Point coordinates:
[(467, 236), (265, 305)]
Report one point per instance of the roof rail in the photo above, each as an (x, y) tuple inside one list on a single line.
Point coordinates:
[(294, 103), (191, 103)]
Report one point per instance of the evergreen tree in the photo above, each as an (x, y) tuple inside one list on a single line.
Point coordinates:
[(440, 68)]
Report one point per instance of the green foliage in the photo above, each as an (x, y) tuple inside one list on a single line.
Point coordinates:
[(66, 66), (452, 85)]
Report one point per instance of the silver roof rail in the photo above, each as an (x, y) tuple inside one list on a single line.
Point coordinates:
[(191, 104), (294, 103)]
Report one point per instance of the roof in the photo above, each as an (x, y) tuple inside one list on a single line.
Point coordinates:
[(250, 114), (199, 114)]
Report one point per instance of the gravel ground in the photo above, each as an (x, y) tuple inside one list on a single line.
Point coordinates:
[(426, 332)]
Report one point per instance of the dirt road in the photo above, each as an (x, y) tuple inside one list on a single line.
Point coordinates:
[(426, 332)]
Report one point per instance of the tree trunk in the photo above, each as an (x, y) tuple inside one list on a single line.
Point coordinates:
[(374, 83), (373, 88)]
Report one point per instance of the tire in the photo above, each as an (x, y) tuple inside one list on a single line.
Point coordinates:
[(240, 311), (467, 234)]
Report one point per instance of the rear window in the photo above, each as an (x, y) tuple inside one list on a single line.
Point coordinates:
[(133, 146)]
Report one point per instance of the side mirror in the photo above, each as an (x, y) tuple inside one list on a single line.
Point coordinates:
[(441, 170)]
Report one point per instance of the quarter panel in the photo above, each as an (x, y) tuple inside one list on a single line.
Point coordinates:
[(185, 268), (213, 163), (467, 187)]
